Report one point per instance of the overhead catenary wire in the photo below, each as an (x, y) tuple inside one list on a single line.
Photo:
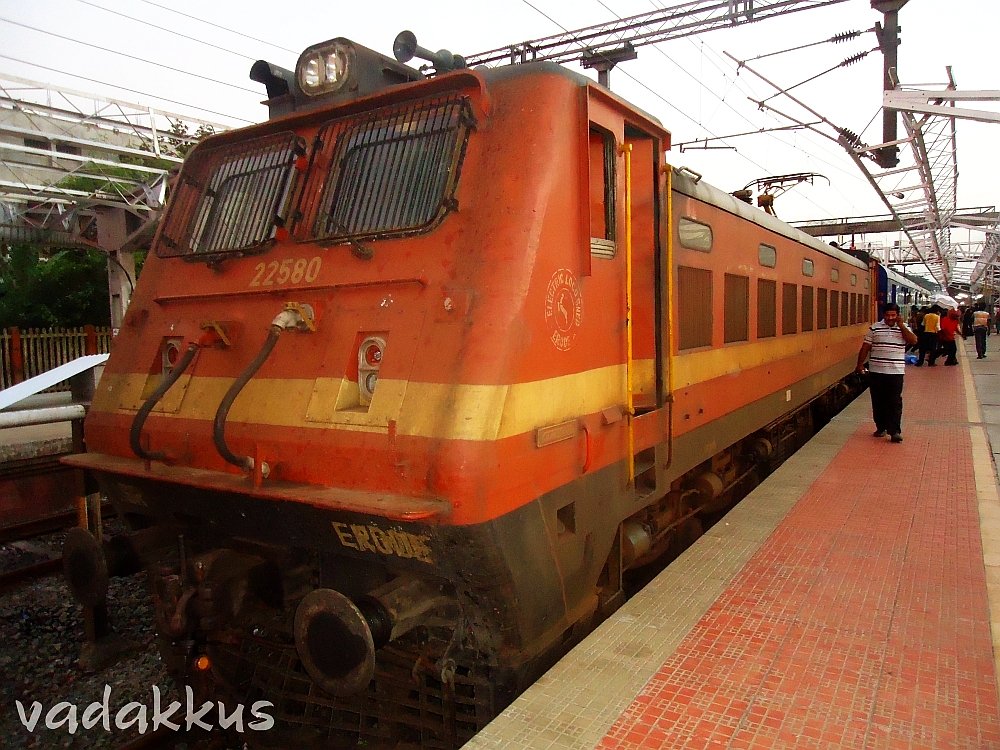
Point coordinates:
[(126, 55), (711, 91), (145, 22), (726, 100), (843, 36), (223, 28), (851, 174), (843, 64), (124, 88), (626, 73), (735, 82)]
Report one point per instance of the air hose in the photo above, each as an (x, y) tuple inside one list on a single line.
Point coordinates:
[(293, 317), (219, 426), (135, 434)]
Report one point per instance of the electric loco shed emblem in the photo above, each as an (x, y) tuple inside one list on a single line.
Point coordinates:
[(563, 308)]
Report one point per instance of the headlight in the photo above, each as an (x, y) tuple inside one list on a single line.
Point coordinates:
[(324, 69)]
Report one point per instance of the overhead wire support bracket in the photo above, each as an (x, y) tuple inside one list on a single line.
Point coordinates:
[(843, 64), (926, 244), (655, 26), (692, 144)]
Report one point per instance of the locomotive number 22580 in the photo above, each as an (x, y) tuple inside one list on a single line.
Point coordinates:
[(287, 271)]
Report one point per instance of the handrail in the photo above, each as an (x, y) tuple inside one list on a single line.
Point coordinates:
[(629, 365), (670, 284)]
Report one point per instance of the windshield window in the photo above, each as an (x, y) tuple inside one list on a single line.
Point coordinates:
[(231, 197), (394, 173)]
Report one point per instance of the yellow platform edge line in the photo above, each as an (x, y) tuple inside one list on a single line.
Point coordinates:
[(988, 502)]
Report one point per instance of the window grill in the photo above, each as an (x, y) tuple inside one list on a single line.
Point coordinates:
[(736, 304), (231, 197), (694, 305), (821, 309), (807, 308), (767, 291), (790, 308), (393, 173)]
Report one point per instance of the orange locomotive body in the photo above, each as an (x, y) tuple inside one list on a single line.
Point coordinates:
[(418, 369)]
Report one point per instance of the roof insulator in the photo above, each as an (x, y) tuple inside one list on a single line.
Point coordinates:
[(845, 36), (853, 59)]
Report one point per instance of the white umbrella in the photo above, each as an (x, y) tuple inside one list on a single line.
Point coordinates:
[(943, 300)]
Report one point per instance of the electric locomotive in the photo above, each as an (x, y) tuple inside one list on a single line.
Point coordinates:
[(419, 368)]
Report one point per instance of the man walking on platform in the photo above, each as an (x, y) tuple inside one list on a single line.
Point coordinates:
[(981, 329), (884, 347)]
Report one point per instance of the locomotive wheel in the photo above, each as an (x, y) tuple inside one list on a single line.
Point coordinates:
[(85, 568)]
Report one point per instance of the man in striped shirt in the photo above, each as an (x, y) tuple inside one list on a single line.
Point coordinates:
[(885, 348)]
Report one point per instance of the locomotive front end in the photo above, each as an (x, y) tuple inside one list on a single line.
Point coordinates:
[(304, 420)]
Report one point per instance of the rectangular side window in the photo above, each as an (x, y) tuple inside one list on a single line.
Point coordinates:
[(602, 192), (736, 303), (854, 309), (767, 255), (844, 309), (767, 291), (807, 308), (694, 235), (694, 307), (834, 308), (789, 308)]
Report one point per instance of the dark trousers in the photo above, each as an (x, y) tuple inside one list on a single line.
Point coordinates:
[(949, 350), (887, 401), (928, 343), (980, 332)]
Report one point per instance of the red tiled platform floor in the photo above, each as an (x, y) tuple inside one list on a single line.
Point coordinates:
[(862, 622)]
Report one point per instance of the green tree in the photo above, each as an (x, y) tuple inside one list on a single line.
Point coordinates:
[(66, 288), (42, 287), (178, 136)]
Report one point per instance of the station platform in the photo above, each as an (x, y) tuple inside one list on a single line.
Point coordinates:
[(850, 601)]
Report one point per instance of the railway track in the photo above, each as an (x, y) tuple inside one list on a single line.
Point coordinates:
[(37, 569), (11, 579), (37, 527)]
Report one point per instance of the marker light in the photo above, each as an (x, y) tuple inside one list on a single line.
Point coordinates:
[(203, 663), (373, 354), (170, 354), (369, 361), (324, 69)]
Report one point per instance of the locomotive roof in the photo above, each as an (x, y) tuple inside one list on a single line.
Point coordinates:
[(701, 190), (507, 72)]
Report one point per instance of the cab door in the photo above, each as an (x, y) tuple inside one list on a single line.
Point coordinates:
[(624, 225)]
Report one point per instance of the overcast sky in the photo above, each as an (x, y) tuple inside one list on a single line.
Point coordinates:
[(689, 84)]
